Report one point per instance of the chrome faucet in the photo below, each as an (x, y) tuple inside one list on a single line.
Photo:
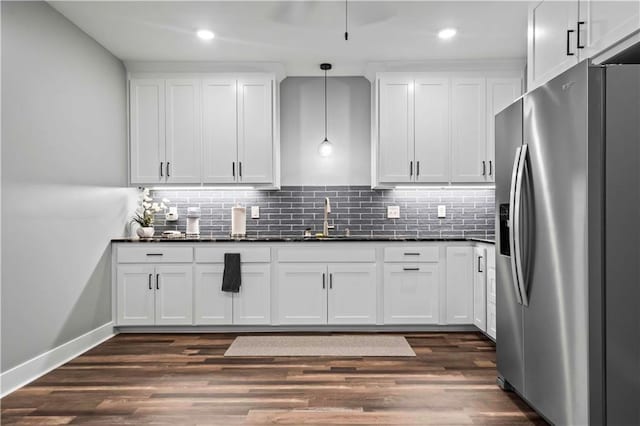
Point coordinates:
[(325, 224)]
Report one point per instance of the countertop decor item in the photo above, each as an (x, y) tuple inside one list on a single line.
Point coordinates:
[(326, 148), (144, 214)]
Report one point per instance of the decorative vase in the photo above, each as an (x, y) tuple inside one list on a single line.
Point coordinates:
[(145, 232)]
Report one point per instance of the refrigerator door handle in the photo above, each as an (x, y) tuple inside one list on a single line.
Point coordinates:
[(512, 235), (516, 224)]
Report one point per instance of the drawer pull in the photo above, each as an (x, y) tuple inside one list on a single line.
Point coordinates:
[(411, 269), (412, 254), (155, 254)]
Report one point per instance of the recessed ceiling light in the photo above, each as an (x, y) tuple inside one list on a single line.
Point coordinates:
[(447, 33), (205, 34)]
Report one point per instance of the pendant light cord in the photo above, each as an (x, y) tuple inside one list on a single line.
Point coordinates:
[(325, 105), (346, 20)]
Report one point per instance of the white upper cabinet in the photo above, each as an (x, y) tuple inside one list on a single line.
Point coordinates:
[(147, 155), (562, 33), (431, 129), (204, 130), (183, 141), (255, 130), (552, 40), (395, 130), (604, 23), (468, 130), (501, 92), (219, 128)]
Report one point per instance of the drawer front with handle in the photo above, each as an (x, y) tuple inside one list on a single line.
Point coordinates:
[(247, 254), (152, 253), (412, 254)]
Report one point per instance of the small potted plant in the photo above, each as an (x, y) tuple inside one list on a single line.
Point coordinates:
[(144, 215)]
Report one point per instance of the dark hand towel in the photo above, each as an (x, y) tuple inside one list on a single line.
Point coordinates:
[(231, 275)]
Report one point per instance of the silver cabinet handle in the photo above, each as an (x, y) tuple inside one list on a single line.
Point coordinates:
[(168, 175), (484, 168), (331, 281), (161, 167), (150, 287), (157, 281), (324, 285), (410, 269), (516, 225)]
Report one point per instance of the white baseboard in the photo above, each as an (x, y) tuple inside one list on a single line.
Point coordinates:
[(30, 370)]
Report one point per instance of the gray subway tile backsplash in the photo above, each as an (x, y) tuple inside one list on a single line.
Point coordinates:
[(470, 212)]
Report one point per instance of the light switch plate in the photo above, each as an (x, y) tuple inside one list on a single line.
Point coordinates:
[(255, 212), (442, 211), (393, 212)]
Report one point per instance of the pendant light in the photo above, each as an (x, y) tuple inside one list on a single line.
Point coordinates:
[(326, 148)]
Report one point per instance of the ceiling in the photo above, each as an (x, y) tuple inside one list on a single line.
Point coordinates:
[(302, 34)]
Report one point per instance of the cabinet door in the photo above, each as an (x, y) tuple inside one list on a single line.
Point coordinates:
[(255, 130), (135, 298), (551, 48), (174, 295), (212, 306), (459, 285), (147, 138), (219, 127), (395, 130), (252, 305), (432, 130), (468, 133), (183, 142), (302, 293), (411, 294), (501, 92), (606, 23), (352, 297), (480, 289)]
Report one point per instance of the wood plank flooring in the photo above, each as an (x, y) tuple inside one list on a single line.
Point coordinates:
[(136, 379)]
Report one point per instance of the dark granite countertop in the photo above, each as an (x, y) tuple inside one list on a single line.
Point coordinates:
[(213, 239)]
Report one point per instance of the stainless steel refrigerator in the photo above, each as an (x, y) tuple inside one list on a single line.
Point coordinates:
[(568, 246)]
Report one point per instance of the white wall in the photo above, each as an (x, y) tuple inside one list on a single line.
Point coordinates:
[(302, 131), (63, 179)]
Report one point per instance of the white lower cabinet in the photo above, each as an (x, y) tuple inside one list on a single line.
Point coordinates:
[(317, 293), (411, 294), (250, 306), (160, 295), (352, 294), (459, 285), (491, 302), (212, 305), (480, 289)]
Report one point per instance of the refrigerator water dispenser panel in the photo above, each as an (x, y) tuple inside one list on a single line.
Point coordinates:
[(504, 230)]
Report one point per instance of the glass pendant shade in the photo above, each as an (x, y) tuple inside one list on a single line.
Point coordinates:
[(326, 148)]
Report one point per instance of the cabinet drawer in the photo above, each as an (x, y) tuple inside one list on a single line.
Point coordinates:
[(247, 254), (151, 253), (412, 254), (326, 255)]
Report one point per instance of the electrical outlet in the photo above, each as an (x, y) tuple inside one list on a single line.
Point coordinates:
[(442, 211), (393, 212), (255, 212)]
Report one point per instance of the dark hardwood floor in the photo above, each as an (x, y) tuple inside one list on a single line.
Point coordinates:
[(184, 379)]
